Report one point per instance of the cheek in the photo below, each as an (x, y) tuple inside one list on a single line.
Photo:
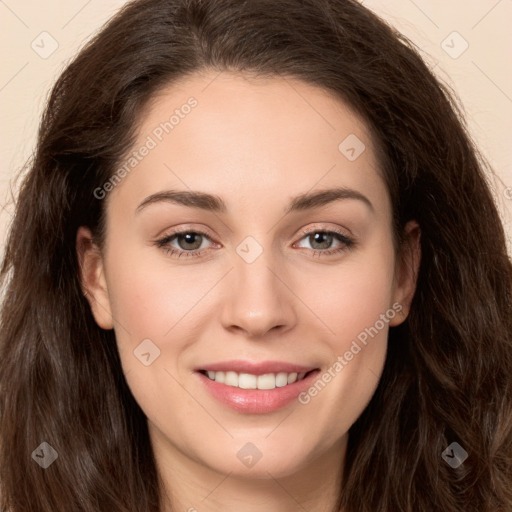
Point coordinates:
[(150, 300), (352, 296), (160, 302), (163, 305)]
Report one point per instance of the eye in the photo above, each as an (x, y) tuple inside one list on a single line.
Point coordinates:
[(323, 242), (184, 243), (189, 240)]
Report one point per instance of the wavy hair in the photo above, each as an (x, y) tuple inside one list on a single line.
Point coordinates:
[(447, 376)]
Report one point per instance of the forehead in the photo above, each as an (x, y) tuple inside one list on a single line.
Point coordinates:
[(246, 136)]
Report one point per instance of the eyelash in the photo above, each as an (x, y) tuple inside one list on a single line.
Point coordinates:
[(347, 242)]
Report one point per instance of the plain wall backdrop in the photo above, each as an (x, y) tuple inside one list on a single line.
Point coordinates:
[(466, 42)]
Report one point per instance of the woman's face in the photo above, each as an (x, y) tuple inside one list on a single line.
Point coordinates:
[(284, 269)]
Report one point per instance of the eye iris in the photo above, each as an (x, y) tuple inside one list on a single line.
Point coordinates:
[(193, 239), (324, 239)]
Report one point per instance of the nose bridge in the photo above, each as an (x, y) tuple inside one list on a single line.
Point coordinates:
[(257, 301)]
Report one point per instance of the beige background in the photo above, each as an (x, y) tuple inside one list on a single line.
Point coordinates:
[(38, 38)]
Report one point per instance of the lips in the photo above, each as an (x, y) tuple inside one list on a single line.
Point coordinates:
[(251, 387)]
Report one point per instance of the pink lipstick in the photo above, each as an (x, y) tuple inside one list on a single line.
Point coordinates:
[(256, 388)]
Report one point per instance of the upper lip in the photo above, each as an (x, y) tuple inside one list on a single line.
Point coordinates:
[(256, 368)]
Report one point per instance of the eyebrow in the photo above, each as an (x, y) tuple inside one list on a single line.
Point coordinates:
[(214, 203), (311, 200)]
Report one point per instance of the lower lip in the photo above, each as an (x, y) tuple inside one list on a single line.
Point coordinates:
[(256, 401)]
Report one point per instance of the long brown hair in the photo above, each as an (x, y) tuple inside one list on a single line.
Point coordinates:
[(447, 376)]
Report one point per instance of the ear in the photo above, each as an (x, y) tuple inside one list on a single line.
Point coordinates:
[(406, 272), (92, 277)]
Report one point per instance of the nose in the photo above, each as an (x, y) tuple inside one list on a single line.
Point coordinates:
[(258, 299)]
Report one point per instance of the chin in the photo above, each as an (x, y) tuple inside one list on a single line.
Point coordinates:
[(260, 458)]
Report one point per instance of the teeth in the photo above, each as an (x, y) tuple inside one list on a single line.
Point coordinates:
[(231, 379), (292, 377), (281, 379), (249, 381)]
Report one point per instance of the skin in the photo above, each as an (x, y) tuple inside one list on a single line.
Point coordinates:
[(256, 143)]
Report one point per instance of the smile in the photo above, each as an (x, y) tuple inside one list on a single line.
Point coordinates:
[(256, 388)]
